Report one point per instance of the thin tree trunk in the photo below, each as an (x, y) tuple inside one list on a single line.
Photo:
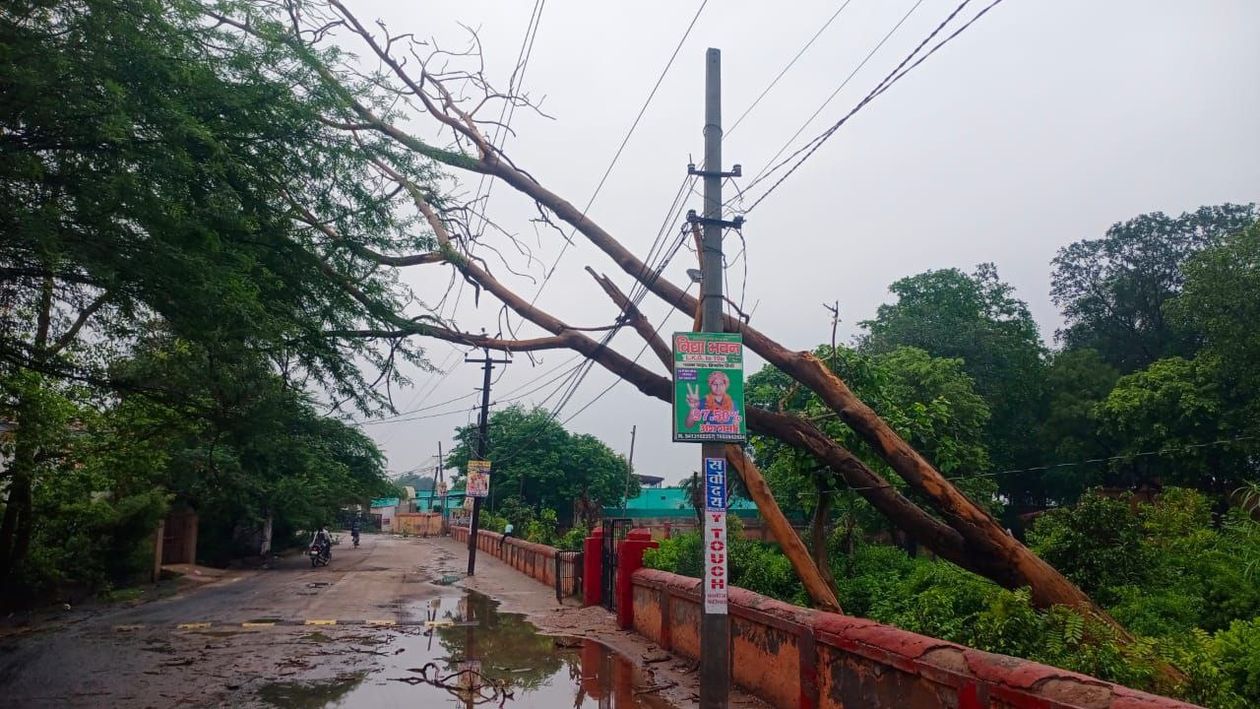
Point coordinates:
[(15, 529), (818, 528), (814, 577)]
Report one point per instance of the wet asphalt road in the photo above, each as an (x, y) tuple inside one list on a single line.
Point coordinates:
[(140, 657)]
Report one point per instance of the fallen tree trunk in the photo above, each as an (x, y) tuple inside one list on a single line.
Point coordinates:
[(983, 534)]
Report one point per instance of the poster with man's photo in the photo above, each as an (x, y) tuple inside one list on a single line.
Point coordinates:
[(709, 387)]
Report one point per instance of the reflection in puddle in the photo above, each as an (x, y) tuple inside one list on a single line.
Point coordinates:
[(310, 695), (472, 656)]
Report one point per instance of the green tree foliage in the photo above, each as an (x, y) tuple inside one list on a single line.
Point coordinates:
[(417, 480), (929, 400), (1163, 569), (1219, 305), (1113, 289), (156, 180), (544, 466), (1076, 382), (153, 164), (977, 319), (1174, 406)]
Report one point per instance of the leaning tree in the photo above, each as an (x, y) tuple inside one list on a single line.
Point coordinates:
[(438, 107)]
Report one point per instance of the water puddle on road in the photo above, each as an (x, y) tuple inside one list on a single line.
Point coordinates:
[(471, 655)]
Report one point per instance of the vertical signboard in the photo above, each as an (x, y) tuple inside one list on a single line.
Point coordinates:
[(715, 556), (709, 387), (478, 478)]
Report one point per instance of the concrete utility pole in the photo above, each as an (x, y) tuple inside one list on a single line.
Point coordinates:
[(715, 629), (483, 444), (440, 478), (625, 495)]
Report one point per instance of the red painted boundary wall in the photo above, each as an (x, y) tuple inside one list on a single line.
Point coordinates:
[(537, 561), (798, 657)]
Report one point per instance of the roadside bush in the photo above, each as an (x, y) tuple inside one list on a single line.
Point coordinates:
[(544, 529), (491, 522), (678, 555), (1239, 650), (93, 544), (514, 510), (762, 568), (573, 540)]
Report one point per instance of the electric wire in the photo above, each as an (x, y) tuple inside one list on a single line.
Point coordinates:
[(883, 86), (785, 69), (1078, 463), (621, 148), (618, 380), (570, 387), (763, 173), (508, 110)]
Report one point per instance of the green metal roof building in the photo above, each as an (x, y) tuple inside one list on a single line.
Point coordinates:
[(672, 502), (426, 499)]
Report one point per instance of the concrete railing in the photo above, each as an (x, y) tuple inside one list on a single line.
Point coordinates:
[(538, 561), (798, 657)]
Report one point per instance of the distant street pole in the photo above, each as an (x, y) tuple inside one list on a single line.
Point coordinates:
[(625, 496), (483, 445), (715, 629), (441, 484)]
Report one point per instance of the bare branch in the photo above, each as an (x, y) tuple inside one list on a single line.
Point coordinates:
[(68, 336)]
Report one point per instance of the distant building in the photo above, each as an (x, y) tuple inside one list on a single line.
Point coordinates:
[(387, 508), (429, 500), (667, 511), (649, 480), (667, 503)]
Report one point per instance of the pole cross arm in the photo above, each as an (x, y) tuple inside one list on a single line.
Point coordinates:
[(737, 170), (736, 223)]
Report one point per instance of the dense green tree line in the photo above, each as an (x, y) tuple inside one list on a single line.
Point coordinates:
[(1123, 450), (539, 466), (171, 328)]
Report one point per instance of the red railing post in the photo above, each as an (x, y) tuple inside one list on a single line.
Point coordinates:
[(593, 568), (629, 560)]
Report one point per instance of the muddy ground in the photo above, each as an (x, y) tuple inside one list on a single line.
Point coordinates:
[(388, 623)]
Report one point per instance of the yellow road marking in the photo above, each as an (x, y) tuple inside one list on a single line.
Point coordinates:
[(382, 622), (192, 626), (445, 622), (320, 622), (258, 625)]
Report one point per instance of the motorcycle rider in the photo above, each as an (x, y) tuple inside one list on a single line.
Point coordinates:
[(354, 530), (323, 540)]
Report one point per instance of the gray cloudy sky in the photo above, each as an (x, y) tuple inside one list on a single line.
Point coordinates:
[(1043, 124)]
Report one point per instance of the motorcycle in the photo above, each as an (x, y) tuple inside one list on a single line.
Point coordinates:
[(355, 536), (320, 554)]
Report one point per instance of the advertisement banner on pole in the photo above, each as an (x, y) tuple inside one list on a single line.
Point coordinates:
[(709, 387), (478, 478), (715, 555)]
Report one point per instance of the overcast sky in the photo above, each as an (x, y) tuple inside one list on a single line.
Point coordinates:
[(1043, 124)]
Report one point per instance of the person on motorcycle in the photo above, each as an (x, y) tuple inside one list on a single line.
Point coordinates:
[(354, 530), (323, 540)]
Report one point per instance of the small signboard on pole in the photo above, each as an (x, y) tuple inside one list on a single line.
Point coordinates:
[(715, 553), (709, 387), (478, 478)]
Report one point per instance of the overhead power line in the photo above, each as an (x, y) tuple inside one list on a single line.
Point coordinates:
[(831, 97), (508, 110), (896, 75), (415, 418), (620, 148), (790, 64), (1078, 463)]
